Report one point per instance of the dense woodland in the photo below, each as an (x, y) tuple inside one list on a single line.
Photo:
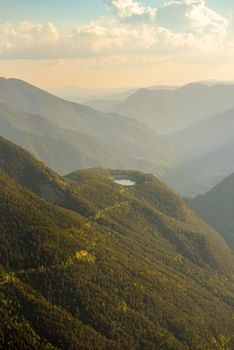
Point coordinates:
[(89, 264)]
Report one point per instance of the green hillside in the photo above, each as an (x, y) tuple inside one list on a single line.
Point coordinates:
[(38, 238), (133, 268), (27, 171), (216, 208)]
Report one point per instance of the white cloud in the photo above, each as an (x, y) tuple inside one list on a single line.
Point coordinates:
[(98, 38), (203, 30), (28, 40), (109, 37), (128, 8), (209, 28), (201, 18)]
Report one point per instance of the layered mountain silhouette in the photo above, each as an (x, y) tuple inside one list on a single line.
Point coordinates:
[(216, 208), (68, 135), (214, 132), (198, 119), (100, 97), (168, 111), (204, 153), (60, 148), (86, 263)]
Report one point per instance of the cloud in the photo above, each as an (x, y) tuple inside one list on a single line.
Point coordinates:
[(199, 29), (28, 40), (97, 38), (109, 37), (130, 8), (203, 18), (198, 18)]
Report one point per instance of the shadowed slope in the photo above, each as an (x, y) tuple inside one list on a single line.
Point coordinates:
[(216, 208)]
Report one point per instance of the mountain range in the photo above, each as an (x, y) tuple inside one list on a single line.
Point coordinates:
[(204, 154), (68, 135), (86, 263), (99, 96), (168, 111)]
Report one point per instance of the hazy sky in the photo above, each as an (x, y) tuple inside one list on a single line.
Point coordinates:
[(116, 43)]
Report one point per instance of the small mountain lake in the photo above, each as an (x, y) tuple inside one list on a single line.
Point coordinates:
[(124, 182)]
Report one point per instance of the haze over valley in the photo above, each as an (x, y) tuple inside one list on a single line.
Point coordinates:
[(87, 138)]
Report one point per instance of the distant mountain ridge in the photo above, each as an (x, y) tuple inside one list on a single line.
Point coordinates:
[(67, 135), (84, 137), (168, 111), (203, 113), (214, 132), (204, 153), (61, 149), (86, 96)]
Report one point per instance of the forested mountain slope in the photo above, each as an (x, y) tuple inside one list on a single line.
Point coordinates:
[(27, 171), (135, 269), (216, 208)]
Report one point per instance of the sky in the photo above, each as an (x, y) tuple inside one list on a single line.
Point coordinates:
[(116, 43)]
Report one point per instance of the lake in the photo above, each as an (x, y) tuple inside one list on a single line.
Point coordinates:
[(125, 182)]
